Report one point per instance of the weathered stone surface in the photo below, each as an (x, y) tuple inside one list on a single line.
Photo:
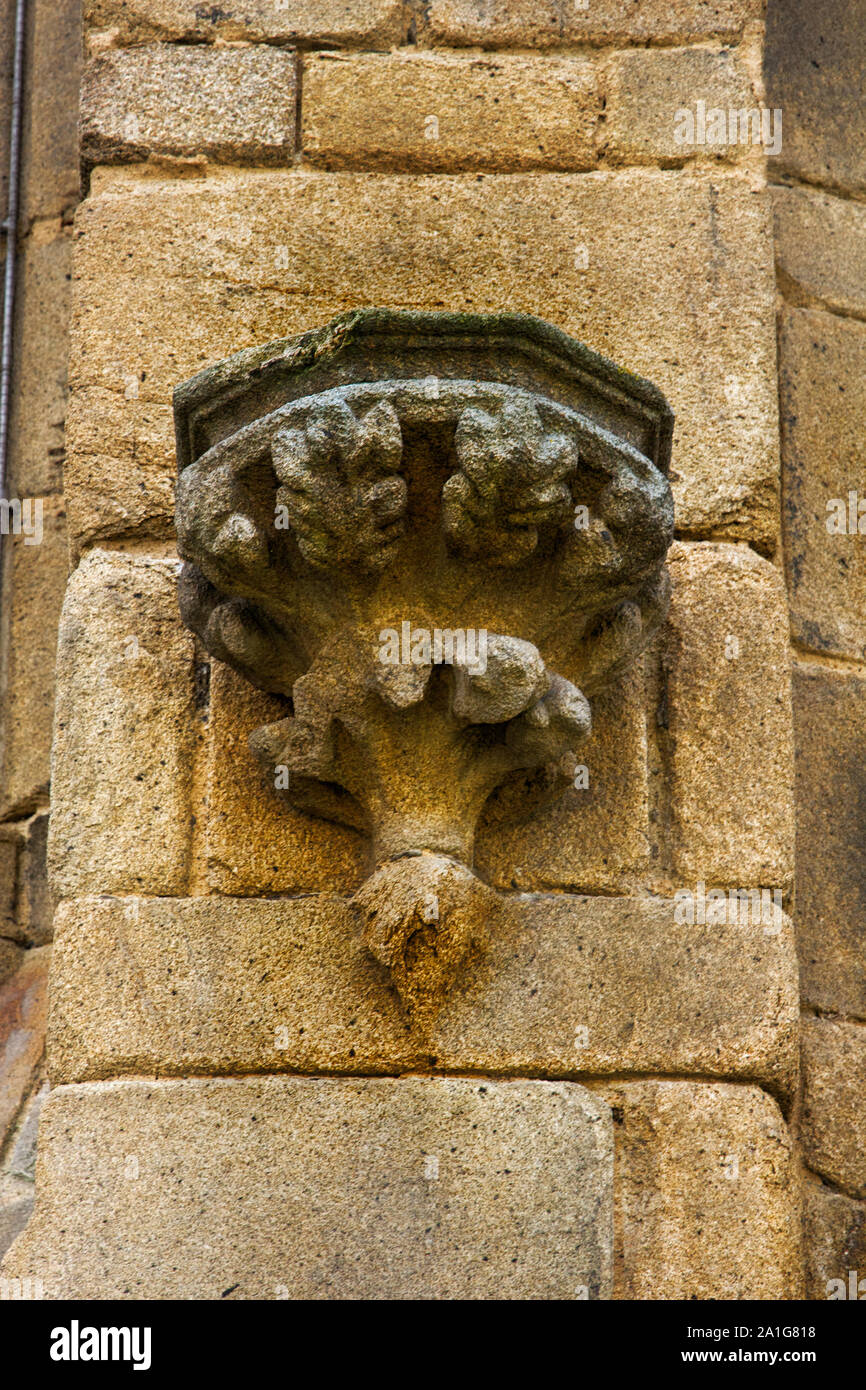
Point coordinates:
[(274, 253), (833, 1120), (708, 1197), (11, 956), (564, 986), (821, 371), (234, 104), (527, 23), (834, 1240), (416, 110), (50, 167), (15, 1212), (645, 89), (594, 839), (26, 904), (830, 896), (255, 841), (124, 732), (419, 1188), (23, 1008), (37, 444), (728, 719), (373, 23), (35, 575), (814, 72), (820, 249)]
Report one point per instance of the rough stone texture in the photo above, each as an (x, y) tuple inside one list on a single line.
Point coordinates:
[(15, 1212), (728, 719), (565, 986), (23, 1009), (255, 842), (830, 897), (708, 1197), (813, 68), (372, 23), (272, 253), (820, 249), (572, 844), (124, 732), (50, 168), (440, 111), (232, 104), (645, 89), (419, 1188), (832, 1121), (35, 576), (528, 23), (26, 904), (11, 956), (835, 1240), (38, 418), (823, 415)]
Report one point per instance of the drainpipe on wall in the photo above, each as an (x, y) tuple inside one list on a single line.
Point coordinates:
[(10, 226)]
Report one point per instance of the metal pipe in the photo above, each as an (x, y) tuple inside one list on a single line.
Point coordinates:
[(10, 226)]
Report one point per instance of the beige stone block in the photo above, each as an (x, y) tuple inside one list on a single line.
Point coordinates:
[(124, 732), (431, 111), (728, 731), (820, 249), (23, 1011), (835, 1243), (26, 904), (321, 1188), (255, 841), (823, 415), (530, 23), (233, 104), (830, 901), (708, 1197), (50, 167), (833, 1118), (373, 23), (37, 445), (646, 88), (175, 274), (565, 986), (596, 838), (814, 69), (35, 566)]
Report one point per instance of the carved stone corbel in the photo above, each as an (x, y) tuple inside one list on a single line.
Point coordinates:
[(404, 523)]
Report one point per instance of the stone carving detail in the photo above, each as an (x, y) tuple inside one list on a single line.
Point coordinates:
[(404, 524)]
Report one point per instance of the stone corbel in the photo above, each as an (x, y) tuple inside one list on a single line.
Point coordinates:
[(405, 523)]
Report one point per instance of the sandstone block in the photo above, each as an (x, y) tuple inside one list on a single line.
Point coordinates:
[(23, 1009), (566, 986), (416, 110), (37, 444), (232, 104), (646, 88), (418, 1188), (814, 72), (124, 733), (830, 897), (821, 370), (35, 564), (728, 718), (51, 184), (525, 23), (708, 1194), (835, 1241), (371, 23), (820, 249), (272, 253), (832, 1121)]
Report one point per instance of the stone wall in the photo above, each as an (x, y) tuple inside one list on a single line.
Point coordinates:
[(815, 62), (250, 172)]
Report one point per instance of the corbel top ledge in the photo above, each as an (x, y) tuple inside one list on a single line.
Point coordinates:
[(368, 345)]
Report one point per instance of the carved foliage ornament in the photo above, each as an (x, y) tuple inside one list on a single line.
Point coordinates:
[(406, 524)]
